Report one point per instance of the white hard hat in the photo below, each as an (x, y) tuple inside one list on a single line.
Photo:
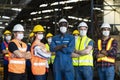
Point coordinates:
[(18, 27), (105, 25), (83, 24), (62, 20)]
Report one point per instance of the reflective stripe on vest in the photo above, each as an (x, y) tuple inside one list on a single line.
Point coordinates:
[(17, 65), (85, 60), (51, 60), (108, 47), (38, 64), (16, 62)]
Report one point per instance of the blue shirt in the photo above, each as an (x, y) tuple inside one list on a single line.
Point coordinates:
[(3, 47), (63, 60)]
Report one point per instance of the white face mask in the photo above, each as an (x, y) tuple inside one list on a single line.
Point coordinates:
[(8, 38), (40, 36), (20, 36), (63, 29), (76, 37), (49, 40), (83, 32), (106, 33)]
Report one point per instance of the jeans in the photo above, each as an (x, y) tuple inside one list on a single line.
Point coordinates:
[(106, 73), (83, 73), (39, 77), (14, 76)]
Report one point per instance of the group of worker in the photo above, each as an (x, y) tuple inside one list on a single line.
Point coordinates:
[(72, 55)]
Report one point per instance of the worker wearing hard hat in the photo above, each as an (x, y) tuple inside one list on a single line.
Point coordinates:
[(39, 53), (105, 53), (28, 62), (49, 40), (76, 34), (17, 54), (51, 60), (4, 47), (31, 38), (83, 64), (63, 46)]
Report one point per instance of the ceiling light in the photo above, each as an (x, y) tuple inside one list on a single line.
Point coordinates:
[(53, 22), (34, 19), (75, 18), (21, 21), (71, 1), (5, 17), (2, 27), (69, 7), (16, 9), (29, 19), (55, 3), (46, 11), (39, 18), (71, 26), (47, 16), (85, 20), (1, 22), (43, 5), (33, 13), (6, 24)]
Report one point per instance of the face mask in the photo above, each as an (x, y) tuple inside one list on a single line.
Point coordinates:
[(20, 36), (76, 37), (83, 32), (49, 40), (106, 33), (40, 36), (8, 38), (63, 29)]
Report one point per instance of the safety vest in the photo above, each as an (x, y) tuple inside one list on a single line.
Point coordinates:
[(51, 60), (85, 60), (17, 65), (6, 55), (108, 47), (38, 64)]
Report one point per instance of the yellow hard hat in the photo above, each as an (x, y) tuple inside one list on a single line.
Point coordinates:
[(7, 32), (31, 34), (75, 32), (49, 35), (38, 28)]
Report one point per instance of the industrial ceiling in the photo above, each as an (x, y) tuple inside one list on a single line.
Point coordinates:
[(48, 12)]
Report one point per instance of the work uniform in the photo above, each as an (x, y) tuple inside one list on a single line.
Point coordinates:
[(105, 65), (16, 66), (4, 46), (83, 64), (38, 60), (62, 66)]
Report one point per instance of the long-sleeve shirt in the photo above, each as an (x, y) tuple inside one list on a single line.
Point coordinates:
[(63, 58), (110, 53)]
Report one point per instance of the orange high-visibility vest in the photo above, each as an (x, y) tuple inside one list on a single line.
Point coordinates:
[(38, 64), (6, 55), (17, 65), (108, 47)]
